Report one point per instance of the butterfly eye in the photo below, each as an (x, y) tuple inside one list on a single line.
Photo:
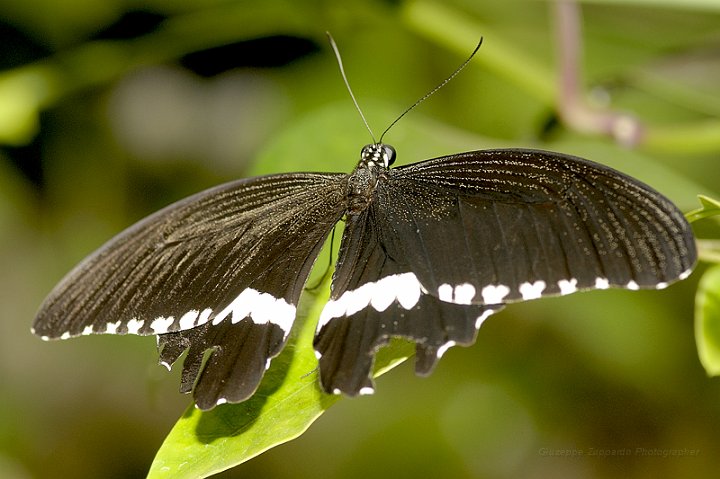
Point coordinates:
[(366, 151), (389, 154)]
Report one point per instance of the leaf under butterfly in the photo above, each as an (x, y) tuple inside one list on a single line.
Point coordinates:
[(287, 402)]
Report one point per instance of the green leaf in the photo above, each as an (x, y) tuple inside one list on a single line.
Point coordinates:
[(709, 207), (707, 321), (287, 402)]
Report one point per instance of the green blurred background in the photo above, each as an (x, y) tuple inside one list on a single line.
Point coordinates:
[(110, 109)]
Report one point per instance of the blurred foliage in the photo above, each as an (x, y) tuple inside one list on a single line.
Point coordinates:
[(112, 109), (707, 322)]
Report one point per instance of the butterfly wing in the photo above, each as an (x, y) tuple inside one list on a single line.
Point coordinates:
[(376, 296), (451, 240), (528, 223), (220, 270)]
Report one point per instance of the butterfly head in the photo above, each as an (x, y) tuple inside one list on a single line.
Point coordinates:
[(377, 154)]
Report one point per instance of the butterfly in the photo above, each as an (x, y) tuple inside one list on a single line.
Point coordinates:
[(428, 252)]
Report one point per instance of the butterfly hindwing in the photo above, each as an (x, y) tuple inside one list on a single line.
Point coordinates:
[(446, 242), (240, 356), (377, 296), (221, 270)]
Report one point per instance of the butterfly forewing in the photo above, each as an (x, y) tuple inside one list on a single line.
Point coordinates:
[(446, 242), (519, 224)]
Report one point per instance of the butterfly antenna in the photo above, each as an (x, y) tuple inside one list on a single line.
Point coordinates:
[(347, 84), (431, 92)]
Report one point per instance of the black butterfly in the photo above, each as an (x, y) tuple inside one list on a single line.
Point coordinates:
[(429, 251)]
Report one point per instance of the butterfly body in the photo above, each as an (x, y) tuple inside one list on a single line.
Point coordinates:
[(375, 161), (429, 251)]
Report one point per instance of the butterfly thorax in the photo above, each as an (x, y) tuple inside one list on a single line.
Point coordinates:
[(375, 161)]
